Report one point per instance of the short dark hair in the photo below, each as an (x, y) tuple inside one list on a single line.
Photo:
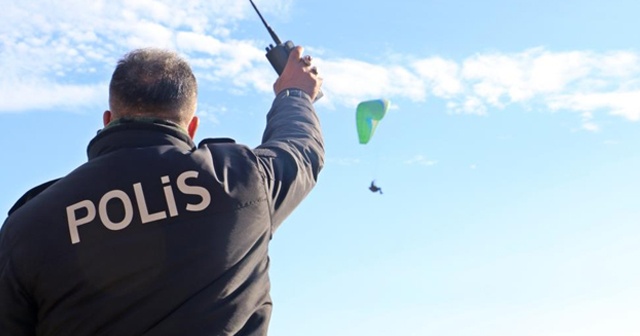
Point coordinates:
[(153, 82)]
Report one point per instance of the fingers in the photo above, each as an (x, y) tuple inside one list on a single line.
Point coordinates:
[(299, 73), (295, 57), (306, 60)]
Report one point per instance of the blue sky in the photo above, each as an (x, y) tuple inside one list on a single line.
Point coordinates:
[(509, 158)]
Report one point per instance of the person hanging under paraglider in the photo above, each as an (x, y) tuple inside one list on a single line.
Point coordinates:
[(368, 115), (375, 188)]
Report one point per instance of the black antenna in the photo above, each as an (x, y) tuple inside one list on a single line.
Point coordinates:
[(271, 32)]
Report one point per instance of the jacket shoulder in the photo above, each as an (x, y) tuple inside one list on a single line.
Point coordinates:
[(31, 194)]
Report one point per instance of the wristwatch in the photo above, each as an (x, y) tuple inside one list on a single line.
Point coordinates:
[(294, 93)]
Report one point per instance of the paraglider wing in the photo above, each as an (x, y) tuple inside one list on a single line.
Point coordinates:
[(368, 115)]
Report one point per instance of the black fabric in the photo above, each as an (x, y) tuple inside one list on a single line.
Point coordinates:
[(153, 236), (30, 195)]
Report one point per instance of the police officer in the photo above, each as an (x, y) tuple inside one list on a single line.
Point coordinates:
[(154, 235)]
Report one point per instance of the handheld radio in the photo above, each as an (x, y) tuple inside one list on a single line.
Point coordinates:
[(278, 54)]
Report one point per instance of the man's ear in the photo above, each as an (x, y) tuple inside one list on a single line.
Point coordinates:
[(193, 127), (107, 116)]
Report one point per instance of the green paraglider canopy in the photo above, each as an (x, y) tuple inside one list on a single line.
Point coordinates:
[(368, 115)]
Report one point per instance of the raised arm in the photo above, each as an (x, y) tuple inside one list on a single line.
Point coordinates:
[(292, 149)]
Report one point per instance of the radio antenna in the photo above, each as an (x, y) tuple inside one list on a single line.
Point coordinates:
[(275, 37)]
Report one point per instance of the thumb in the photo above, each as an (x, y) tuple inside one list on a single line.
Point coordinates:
[(296, 53)]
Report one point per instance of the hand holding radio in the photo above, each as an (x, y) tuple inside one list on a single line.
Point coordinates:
[(299, 73), (280, 56)]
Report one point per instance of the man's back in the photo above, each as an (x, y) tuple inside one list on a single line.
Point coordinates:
[(147, 239)]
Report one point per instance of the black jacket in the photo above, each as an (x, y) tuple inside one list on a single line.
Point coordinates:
[(153, 236)]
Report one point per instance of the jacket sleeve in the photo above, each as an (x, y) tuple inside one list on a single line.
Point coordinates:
[(17, 313), (291, 153)]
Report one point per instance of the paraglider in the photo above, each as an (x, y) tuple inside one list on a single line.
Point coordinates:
[(368, 115)]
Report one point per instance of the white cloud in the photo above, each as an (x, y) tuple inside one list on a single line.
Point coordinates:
[(502, 79), (619, 64), (38, 95), (71, 46), (590, 126), (421, 160), (210, 112), (441, 76), (343, 161), (622, 103), (574, 81), (348, 81)]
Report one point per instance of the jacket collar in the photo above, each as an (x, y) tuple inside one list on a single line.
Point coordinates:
[(131, 133)]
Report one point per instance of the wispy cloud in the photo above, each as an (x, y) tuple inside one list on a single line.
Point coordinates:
[(33, 94), (61, 54), (421, 160), (583, 82), (343, 161)]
